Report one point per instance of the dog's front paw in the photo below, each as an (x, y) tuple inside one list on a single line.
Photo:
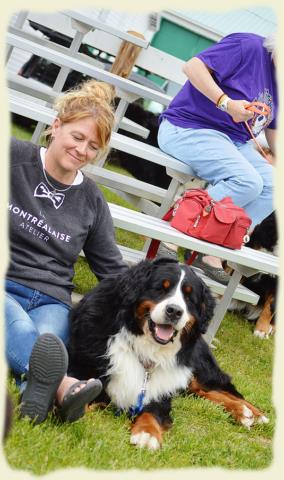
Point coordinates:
[(145, 440), (264, 333), (247, 417), (146, 432), (251, 415)]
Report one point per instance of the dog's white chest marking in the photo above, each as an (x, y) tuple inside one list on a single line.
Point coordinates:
[(128, 373)]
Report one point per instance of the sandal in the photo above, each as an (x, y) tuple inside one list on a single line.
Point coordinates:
[(47, 366), (217, 274), (165, 251), (74, 403)]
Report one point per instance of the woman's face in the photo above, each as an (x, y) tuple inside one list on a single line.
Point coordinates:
[(74, 144)]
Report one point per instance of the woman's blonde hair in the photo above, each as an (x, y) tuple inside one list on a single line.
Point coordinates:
[(89, 99)]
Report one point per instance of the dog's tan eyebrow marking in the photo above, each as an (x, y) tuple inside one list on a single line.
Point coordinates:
[(166, 284), (187, 288)]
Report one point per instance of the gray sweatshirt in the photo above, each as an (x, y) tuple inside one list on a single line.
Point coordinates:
[(47, 231)]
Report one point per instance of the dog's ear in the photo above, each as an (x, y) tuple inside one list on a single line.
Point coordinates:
[(206, 308), (131, 284)]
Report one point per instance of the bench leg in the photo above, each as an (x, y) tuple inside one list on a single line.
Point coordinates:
[(119, 114), (169, 199), (60, 80), (222, 307), (165, 205)]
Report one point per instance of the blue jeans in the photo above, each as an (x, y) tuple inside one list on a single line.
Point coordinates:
[(28, 314), (233, 169)]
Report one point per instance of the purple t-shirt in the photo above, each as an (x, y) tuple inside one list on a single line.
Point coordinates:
[(244, 70)]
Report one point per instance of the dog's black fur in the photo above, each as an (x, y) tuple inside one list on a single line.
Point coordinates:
[(265, 235), (265, 238), (129, 303), (148, 172)]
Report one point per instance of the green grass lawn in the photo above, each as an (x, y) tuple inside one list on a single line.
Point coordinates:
[(203, 434)]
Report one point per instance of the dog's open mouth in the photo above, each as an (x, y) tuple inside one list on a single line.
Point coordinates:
[(162, 332)]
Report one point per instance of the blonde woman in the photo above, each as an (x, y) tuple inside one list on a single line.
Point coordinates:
[(54, 213)]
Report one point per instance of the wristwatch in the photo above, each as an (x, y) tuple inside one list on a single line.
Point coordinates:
[(222, 103)]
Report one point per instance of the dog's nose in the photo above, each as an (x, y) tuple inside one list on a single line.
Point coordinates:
[(173, 312)]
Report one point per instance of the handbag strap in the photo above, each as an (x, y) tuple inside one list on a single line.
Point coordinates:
[(168, 215), (265, 110), (192, 257), (153, 248)]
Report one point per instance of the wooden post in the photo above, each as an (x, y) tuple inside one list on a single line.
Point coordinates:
[(126, 56), (122, 66)]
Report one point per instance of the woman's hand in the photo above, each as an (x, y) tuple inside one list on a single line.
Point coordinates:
[(237, 110)]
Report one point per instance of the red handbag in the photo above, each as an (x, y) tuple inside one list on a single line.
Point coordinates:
[(198, 215)]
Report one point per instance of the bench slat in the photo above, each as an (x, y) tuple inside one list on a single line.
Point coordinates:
[(153, 227), (123, 182), (132, 257), (19, 85), (74, 63), (30, 109), (86, 18)]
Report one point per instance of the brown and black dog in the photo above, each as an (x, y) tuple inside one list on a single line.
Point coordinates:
[(141, 334), (264, 238)]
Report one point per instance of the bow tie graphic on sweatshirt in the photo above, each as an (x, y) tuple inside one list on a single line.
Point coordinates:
[(43, 191)]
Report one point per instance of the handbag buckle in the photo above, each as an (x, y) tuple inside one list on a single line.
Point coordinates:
[(246, 238), (207, 210), (175, 209), (196, 221)]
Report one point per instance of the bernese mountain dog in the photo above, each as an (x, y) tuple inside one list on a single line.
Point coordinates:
[(141, 334), (264, 238)]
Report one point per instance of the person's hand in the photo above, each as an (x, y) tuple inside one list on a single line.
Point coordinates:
[(237, 110)]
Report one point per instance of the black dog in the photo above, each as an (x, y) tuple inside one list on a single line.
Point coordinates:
[(264, 238), (141, 169), (141, 334)]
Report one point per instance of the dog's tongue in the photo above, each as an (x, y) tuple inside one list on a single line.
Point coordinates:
[(164, 332)]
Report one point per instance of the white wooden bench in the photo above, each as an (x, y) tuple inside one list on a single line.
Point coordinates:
[(132, 257), (245, 261), (150, 58), (45, 94), (82, 23), (81, 17), (79, 62)]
